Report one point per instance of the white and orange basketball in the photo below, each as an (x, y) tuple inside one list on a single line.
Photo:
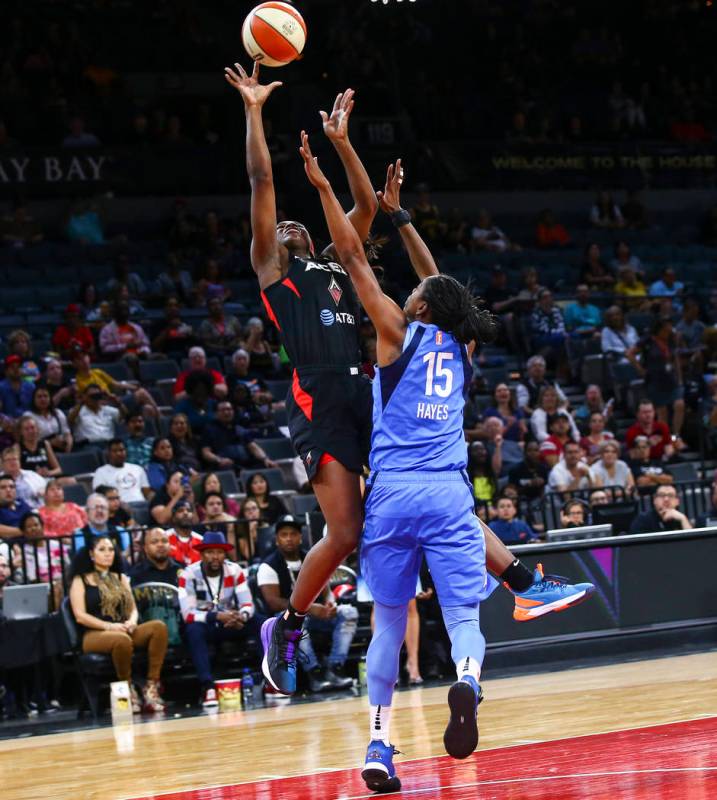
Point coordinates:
[(274, 34)]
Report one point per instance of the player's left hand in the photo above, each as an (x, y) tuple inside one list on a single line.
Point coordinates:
[(311, 165), (390, 198), (336, 126)]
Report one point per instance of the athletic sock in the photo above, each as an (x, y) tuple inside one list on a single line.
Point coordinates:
[(379, 723), (517, 576), (292, 619), (468, 667)]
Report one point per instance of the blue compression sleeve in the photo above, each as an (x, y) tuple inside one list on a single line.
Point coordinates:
[(383, 652)]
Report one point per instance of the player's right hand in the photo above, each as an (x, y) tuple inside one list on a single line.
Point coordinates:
[(311, 164), (248, 86), (390, 198)]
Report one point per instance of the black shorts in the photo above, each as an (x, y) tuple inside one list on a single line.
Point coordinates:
[(330, 415)]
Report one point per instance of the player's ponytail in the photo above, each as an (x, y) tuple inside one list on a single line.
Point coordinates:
[(455, 310)]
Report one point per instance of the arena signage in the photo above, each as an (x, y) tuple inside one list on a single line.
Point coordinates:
[(62, 168)]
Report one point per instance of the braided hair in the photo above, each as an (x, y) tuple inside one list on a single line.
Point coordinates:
[(456, 310)]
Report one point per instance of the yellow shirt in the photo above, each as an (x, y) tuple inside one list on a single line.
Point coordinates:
[(638, 290), (483, 488), (98, 376)]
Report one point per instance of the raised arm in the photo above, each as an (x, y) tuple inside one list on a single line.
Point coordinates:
[(390, 201), (336, 128), (266, 255), (389, 319)]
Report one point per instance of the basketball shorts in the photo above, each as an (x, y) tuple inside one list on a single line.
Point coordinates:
[(330, 413), (410, 515)]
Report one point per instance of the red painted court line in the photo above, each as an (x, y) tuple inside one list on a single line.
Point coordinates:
[(665, 762)]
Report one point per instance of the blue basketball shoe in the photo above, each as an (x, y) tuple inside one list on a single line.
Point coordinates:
[(281, 646), (548, 593), (378, 772), (461, 736)]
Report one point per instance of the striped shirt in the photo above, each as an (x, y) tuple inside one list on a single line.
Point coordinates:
[(197, 601)]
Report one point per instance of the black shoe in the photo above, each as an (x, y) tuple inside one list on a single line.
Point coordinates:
[(336, 677), (461, 736), (318, 681)]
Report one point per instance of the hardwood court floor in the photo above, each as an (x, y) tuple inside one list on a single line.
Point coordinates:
[(144, 761)]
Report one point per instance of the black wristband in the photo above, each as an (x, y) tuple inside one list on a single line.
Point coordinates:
[(401, 217)]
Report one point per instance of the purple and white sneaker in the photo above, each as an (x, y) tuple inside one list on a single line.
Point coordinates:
[(281, 647)]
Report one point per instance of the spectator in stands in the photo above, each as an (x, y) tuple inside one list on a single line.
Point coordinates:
[(103, 605), (505, 408), (548, 328), (612, 471), (582, 318), (507, 527), (624, 258), (38, 561), (275, 579), (19, 343), (593, 403), (661, 368), (228, 446), (156, 564), (162, 464), (216, 606), (199, 407), (72, 334), (125, 391), (487, 236), (597, 436), (212, 484), (78, 137), (84, 223), (573, 514), (175, 489), (656, 431), (549, 403), (198, 362), (12, 509), (263, 359), (124, 277), (530, 476), (482, 472), (122, 338), (619, 340), (183, 444), (664, 515), (119, 513), (647, 471), (51, 422), (60, 518), (172, 335), (29, 485), (98, 524), (15, 393), (130, 480), (605, 213), (208, 282), (504, 453), (138, 446), (5, 575), (690, 331), (497, 296), (631, 288), (250, 513), (220, 333), (571, 473), (59, 385), (20, 229), (559, 434), (426, 216), (549, 232), (242, 372), (528, 392), (249, 414), (216, 518), (181, 536), (594, 272), (668, 286), (271, 507), (634, 211), (175, 282)]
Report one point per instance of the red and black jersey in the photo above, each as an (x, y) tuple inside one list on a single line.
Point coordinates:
[(317, 313)]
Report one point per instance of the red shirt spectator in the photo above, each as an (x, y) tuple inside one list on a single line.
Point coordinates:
[(549, 232), (72, 335), (182, 549), (657, 432), (198, 361)]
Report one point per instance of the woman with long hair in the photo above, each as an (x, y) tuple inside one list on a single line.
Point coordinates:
[(593, 271), (51, 421), (596, 438), (211, 484), (481, 473), (60, 517), (176, 488), (162, 463), (257, 487), (104, 608), (251, 514), (183, 443), (549, 404), (505, 408)]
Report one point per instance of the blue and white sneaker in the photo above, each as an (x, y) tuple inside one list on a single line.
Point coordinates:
[(281, 647), (548, 593), (461, 736), (379, 773)]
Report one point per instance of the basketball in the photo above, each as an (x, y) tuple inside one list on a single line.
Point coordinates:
[(274, 34)]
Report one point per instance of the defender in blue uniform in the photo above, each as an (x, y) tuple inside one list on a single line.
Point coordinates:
[(420, 501)]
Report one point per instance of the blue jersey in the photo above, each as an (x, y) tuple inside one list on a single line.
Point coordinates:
[(418, 404)]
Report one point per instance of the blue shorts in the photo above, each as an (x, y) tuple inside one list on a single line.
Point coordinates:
[(412, 514)]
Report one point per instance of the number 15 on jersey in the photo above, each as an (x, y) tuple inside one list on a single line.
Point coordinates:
[(439, 376)]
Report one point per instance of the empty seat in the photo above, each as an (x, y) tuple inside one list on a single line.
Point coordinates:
[(76, 493), (79, 463), (685, 471), (116, 369), (304, 504), (228, 481), (153, 371), (278, 448), (140, 512)]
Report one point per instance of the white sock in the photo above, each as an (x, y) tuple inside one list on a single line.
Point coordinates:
[(379, 723), (468, 666)]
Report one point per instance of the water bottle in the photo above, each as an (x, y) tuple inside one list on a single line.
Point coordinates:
[(247, 689)]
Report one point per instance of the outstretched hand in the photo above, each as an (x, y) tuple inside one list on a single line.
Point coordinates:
[(248, 86), (336, 126), (390, 198), (311, 165)]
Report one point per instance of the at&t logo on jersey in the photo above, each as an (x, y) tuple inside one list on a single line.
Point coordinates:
[(328, 318)]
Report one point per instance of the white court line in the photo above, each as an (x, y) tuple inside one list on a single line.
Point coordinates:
[(424, 758), (535, 779)]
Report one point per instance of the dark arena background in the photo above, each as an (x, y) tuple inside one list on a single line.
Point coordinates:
[(558, 156)]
